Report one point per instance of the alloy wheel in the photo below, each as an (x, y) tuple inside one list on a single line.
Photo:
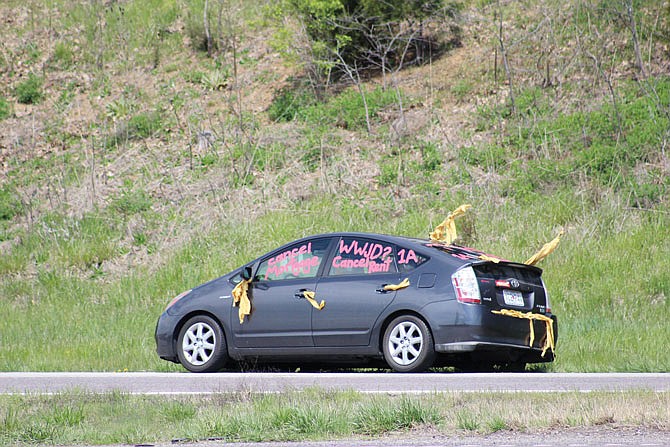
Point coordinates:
[(199, 343), (405, 343)]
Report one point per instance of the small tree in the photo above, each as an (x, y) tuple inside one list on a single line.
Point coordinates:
[(367, 34)]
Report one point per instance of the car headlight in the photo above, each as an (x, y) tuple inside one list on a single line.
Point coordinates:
[(177, 298)]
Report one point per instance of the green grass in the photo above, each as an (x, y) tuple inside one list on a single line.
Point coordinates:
[(622, 315), (5, 108), (608, 304), (117, 418), (65, 242), (377, 417), (544, 148), (346, 109)]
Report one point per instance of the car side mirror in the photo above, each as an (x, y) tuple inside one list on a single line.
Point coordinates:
[(246, 273)]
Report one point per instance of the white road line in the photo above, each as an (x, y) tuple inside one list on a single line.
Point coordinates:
[(368, 383)]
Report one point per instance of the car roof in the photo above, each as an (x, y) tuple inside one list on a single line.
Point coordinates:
[(386, 237), (422, 245), (433, 248)]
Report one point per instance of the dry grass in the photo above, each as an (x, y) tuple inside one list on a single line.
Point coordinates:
[(116, 418)]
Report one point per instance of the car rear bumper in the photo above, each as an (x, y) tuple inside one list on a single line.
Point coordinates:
[(471, 346), (500, 338), (497, 351)]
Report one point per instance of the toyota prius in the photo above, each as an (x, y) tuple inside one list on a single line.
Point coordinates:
[(360, 299)]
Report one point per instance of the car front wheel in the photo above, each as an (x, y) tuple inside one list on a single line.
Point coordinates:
[(408, 345), (201, 346)]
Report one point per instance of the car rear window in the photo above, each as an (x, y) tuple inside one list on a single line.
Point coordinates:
[(408, 259)]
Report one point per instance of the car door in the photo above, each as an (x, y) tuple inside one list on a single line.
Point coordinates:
[(280, 315), (352, 287)]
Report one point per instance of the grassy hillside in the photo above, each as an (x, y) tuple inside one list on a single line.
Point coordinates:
[(135, 165)]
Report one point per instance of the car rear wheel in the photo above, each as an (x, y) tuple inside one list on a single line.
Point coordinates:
[(408, 345), (201, 346)]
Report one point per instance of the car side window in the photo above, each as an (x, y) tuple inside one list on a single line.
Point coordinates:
[(358, 256), (297, 261), (408, 259)]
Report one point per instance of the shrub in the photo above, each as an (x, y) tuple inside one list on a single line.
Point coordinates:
[(63, 55), (144, 125), (432, 158), (132, 202), (30, 90), (10, 206), (389, 167)]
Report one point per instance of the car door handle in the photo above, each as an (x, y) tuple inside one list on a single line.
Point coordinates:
[(300, 293), (386, 288)]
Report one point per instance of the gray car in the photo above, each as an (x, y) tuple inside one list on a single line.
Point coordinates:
[(359, 299)]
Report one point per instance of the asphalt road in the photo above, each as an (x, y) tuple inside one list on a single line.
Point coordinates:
[(564, 437), (187, 383)]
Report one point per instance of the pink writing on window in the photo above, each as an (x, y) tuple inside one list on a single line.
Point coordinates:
[(367, 250), (371, 256), (407, 256), (370, 265), (293, 262)]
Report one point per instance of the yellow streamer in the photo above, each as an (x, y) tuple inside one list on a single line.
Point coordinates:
[(310, 297), (402, 285), (545, 250), (446, 231), (489, 258), (549, 342), (241, 297)]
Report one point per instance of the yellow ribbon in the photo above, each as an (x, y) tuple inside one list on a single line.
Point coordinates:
[(240, 296), (402, 285), (549, 342), (310, 297), (489, 258), (446, 231), (545, 250)]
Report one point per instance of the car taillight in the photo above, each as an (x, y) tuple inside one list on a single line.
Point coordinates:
[(547, 303), (177, 298), (466, 286)]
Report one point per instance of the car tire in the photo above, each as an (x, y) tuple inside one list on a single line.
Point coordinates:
[(513, 367), (201, 345), (408, 345), (475, 367)]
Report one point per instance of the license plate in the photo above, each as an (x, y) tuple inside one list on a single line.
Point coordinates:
[(513, 298)]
